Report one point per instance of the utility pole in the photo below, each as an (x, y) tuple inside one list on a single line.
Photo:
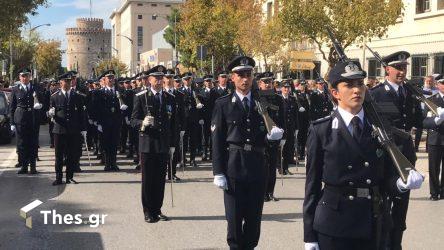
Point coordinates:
[(11, 69)]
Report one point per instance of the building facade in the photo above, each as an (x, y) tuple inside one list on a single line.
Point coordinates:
[(419, 31), (88, 44), (133, 25)]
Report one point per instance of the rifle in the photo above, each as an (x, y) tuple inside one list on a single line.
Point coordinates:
[(263, 105), (401, 163), (415, 90)]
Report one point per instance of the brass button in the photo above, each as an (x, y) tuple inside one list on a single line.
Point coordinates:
[(248, 120), (351, 197), (351, 183), (248, 129), (350, 167), (248, 139), (369, 181), (366, 164), (369, 197)]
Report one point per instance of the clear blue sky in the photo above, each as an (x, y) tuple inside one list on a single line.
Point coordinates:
[(62, 14)]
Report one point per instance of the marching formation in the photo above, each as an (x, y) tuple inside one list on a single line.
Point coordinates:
[(354, 139)]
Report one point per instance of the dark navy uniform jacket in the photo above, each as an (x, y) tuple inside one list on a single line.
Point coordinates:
[(159, 137), (409, 112), (320, 105), (231, 124), (70, 114), (336, 159), (22, 106), (435, 132)]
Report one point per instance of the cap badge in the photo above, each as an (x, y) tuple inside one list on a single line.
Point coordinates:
[(160, 69), (244, 61), (402, 57)]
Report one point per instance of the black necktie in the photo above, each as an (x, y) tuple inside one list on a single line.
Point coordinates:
[(357, 130), (401, 94), (246, 106)]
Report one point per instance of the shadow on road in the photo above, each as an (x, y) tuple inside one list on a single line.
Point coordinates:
[(284, 217)]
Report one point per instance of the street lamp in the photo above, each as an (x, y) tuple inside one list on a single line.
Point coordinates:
[(132, 44), (175, 39), (36, 27)]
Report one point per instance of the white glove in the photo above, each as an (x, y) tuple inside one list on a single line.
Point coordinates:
[(220, 181), (414, 181), (38, 106), (51, 112), (95, 123), (199, 106), (12, 128), (201, 122), (301, 109), (127, 121), (275, 134), (149, 120), (441, 112), (99, 128), (311, 246), (90, 121), (282, 143), (123, 107), (172, 150), (182, 133), (83, 133)]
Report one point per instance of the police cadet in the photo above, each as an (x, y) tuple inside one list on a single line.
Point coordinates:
[(222, 88), (169, 82), (54, 87), (290, 110), (407, 114), (239, 138), (302, 96), (109, 120), (127, 95), (209, 96), (320, 105), (272, 149), (192, 106), (435, 142), (68, 112), (25, 120), (347, 173), (154, 114)]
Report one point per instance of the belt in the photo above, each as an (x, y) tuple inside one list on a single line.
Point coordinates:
[(247, 147), (27, 108), (351, 192)]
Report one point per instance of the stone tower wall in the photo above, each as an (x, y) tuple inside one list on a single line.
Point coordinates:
[(88, 44)]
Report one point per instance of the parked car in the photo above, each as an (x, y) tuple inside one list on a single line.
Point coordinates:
[(5, 121)]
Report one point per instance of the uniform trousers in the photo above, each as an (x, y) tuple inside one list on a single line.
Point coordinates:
[(64, 145), (153, 182)]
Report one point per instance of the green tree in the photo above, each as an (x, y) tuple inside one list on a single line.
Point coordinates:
[(48, 58), (114, 63), (353, 21)]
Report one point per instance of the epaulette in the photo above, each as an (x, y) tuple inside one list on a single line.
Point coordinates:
[(377, 86), (321, 120), (80, 93), (55, 92), (141, 92)]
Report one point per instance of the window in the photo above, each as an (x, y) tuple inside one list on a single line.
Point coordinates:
[(440, 4), (422, 6), (439, 64), (140, 4), (88, 48), (153, 5), (98, 57), (374, 68), (139, 16), (419, 66), (269, 10), (138, 56), (154, 17), (89, 39), (139, 36), (167, 5)]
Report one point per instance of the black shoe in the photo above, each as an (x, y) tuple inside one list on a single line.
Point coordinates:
[(137, 167), (163, 217), (107, 169), (151, 219), (57, 182), (204, 158), (33, 171), (23, 171), (193, 164), (69, 181), (267, 198), (38, 159), (51, 146), (288, 172), (115, 168), (273, 198), (17, 165), (136, 161), (441, 196), (285, 172), (176, 178), (279, 171), (434, 197)]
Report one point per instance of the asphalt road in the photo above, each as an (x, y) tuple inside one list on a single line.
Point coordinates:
[(198, 220)]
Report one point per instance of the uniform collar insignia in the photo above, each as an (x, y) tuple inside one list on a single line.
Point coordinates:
[(387, 88), (335, 123), (233, 100)]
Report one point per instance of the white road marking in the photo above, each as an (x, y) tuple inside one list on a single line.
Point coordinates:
[(6, 163)]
